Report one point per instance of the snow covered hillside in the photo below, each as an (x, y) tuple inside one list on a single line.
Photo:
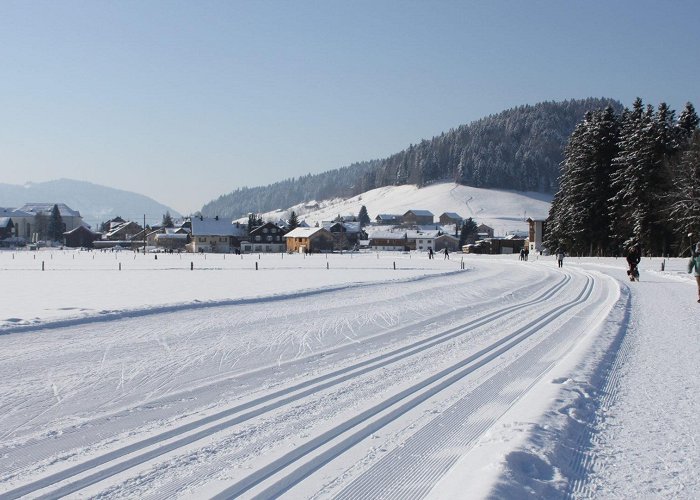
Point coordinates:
[(502, 210), (359, 375)]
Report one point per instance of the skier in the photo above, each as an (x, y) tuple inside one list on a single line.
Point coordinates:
[(560, 257), (430, 252), (634, 256), (694, 266), (447, 254)]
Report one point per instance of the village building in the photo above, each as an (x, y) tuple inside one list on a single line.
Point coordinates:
[(536, 234), (496, 246), (448, 218), (123, 231), (215, 235), (388, 219), (309, 240), (22, 222), (388, 241), (172, 241), (80, 237), (422, 241), (7, 228), (446, 241), (28, 227), (346, 235), (70, 218), (418, 217), (483, 231), (268, 238)]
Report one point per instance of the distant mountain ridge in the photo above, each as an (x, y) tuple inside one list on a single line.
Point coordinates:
[(518, 149), (94, 202)]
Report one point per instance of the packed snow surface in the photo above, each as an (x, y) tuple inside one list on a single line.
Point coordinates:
[(358, 375)]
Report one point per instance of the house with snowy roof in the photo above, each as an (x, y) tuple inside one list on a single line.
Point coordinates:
[(388, 219), (26, 225), (418, 217), (421, 241), (80, 237), (216, 235), (484, 231), (388, 241), (70, 218), (125, 231), (268, 238), (346, 235), (168, 238), (309, 240), (7, 228), (448, 241), (448, 218)]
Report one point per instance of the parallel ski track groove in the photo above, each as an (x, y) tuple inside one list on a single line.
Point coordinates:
[(582, 462), (307, 387), (393, 405), (458, 428)]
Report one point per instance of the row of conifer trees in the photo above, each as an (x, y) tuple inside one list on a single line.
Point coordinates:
[(629, 177)]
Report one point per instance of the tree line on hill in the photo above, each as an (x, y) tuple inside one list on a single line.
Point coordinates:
[(519, 149), (629, 177)]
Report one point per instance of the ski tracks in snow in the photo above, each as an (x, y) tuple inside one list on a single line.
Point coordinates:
[(423, 399)]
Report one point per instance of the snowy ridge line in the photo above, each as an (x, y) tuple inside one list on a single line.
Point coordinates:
[(607, 378), (258, 406), (392, 408), (188, 306)]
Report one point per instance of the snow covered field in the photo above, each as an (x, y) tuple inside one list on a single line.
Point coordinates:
[(346, 376)]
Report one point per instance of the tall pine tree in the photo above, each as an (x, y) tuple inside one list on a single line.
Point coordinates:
[(55, 225)]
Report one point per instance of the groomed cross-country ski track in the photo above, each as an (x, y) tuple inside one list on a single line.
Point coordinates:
[(366, 390)]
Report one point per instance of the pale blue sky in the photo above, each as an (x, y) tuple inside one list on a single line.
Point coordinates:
[(185, 101)]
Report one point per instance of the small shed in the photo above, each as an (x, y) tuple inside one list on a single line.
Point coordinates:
[(80, 237)]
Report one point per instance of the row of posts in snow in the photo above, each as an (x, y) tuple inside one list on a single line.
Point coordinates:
[(43, 263)]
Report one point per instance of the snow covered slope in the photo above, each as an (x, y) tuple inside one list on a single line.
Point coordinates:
[(502, 210)]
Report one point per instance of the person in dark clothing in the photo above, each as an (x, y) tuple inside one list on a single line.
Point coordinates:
[(560, 257), (694, 266), (634, 256), (447, 254)]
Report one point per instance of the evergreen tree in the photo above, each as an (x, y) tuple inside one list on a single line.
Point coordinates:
[(363, 217), (684, 198), (582, 211), (293, 220), (254, 221), (688, 120), (167, 220), (643, 180), (55, 225), (468, 232)]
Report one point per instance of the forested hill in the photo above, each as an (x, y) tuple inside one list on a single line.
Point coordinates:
[(519, 149)]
